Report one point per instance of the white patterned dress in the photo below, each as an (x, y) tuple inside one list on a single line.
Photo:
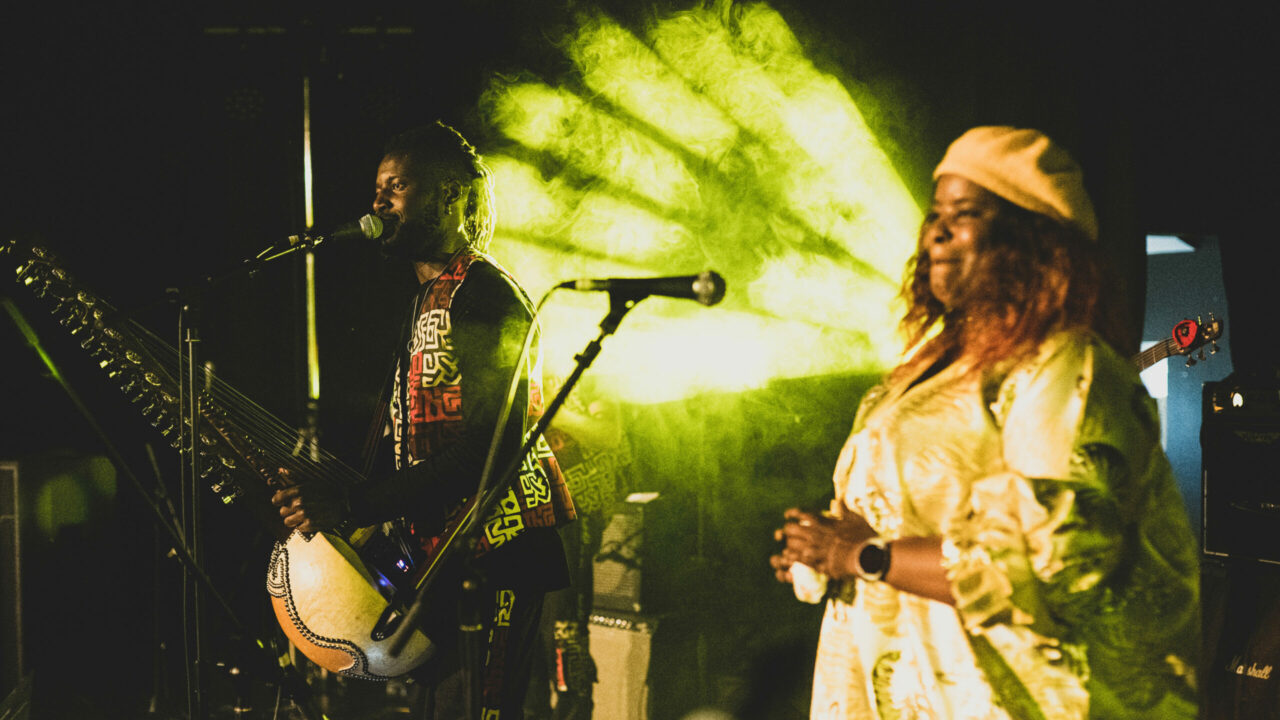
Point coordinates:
[(1070, 555)]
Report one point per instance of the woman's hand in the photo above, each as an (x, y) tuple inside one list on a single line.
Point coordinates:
[(826, 544)]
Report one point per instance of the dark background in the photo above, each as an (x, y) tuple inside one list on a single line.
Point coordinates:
[(151, 144)]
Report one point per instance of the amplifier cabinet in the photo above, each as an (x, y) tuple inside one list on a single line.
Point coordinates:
[(621, 646), (1240, 471), (644, 561), (646, 666)]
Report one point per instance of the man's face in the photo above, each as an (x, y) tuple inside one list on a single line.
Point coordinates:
[(954, 232), (411, 210)]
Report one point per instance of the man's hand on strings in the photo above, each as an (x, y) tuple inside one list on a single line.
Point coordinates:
[(311, 506), (824, 543)]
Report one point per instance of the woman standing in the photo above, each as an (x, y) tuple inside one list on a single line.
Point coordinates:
[(1006, 539)]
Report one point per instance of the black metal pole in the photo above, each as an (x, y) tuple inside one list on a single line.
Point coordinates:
[(190, 395)]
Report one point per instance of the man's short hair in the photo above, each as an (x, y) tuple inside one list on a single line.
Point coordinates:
[(439, 153)]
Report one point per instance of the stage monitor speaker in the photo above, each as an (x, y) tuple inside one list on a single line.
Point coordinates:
[(1240, 443), (11, 660), (644, 562)]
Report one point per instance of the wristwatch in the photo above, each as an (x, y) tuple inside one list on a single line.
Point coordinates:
[(872, 559)]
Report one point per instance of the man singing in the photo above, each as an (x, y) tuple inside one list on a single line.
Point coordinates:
[(460, 346)]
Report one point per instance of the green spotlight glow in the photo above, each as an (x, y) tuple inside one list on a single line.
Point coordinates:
[(620, 229), (616, 64), (707, 139), (63, 501), (72, 498), (595, 144), (527, 202)]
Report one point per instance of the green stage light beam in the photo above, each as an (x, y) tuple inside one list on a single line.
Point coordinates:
[(707, 139)]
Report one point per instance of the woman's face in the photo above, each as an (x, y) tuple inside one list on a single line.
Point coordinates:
[(954, 232)]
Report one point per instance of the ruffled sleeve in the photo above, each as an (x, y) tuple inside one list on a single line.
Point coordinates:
[(1074, 570)]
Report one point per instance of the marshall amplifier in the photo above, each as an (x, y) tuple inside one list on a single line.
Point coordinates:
[(1240, 442), (1242, 639)]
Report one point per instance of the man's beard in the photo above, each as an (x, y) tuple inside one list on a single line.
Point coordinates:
[(412, 240)]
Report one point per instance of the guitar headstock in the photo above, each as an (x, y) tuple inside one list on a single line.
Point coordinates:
[(1192, 335)]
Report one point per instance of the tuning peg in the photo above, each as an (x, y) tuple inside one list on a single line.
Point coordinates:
[(1191, 360), (1213, 347), (226, 489)]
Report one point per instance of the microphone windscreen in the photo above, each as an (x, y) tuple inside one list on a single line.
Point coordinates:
[(371, 226), (709, 288)]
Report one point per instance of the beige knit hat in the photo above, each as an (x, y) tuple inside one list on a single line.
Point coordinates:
[(1026, 168)]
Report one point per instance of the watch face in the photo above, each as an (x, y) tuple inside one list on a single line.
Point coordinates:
[(871, 561)]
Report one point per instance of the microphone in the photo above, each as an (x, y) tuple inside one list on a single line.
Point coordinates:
[(368, 227), (705, 287)]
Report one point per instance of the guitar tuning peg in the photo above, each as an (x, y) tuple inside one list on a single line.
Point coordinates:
[(1202, 353), (1191, 360), (1213, 347)]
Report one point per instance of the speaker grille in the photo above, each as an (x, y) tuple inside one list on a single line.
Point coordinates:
[(1240, 436), (616, 572)]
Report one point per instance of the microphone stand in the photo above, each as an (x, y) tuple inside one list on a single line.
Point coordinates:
[(472, 623), (182, 550), (189, 386), (189, 479)]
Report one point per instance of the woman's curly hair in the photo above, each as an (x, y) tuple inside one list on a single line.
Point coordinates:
[(1033, 275)]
